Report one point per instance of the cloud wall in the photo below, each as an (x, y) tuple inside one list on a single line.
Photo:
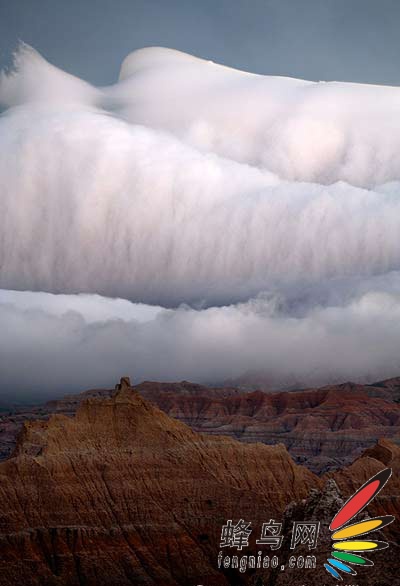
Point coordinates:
[(247, 223)]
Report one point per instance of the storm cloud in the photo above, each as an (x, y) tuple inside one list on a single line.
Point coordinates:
[(46, 353)]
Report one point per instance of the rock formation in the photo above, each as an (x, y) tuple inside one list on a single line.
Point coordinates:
[(324, 428), (123, 494)]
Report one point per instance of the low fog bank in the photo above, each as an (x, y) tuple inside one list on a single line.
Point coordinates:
[(49, 352)]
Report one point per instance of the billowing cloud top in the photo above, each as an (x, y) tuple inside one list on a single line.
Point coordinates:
[(189, 182)]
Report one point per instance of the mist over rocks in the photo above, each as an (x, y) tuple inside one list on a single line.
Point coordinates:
[(50, 354), (245, 222)]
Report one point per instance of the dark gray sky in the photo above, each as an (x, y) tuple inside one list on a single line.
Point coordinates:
[(351, 40)]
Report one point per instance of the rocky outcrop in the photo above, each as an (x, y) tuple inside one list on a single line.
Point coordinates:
[(123, 494)]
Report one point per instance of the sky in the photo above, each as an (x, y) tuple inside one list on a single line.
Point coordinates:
[(167, 217), (344, 40)]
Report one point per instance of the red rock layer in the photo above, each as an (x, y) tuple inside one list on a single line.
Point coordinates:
[(324, 428)]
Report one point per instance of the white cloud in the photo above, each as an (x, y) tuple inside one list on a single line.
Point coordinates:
[(187, 182)]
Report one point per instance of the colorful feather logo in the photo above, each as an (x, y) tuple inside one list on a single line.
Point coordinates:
[(346, 540)]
